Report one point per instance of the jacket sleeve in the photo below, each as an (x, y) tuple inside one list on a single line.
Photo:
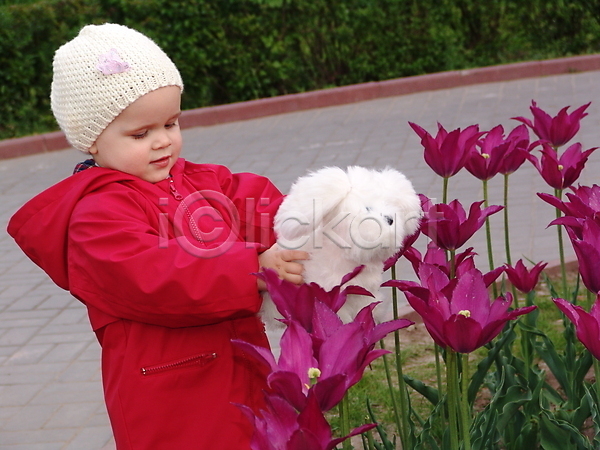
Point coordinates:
[(256, 199), (117, 265)]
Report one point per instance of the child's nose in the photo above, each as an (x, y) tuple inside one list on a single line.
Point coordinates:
[(162, 140)]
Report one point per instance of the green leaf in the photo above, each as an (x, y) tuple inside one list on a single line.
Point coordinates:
[(478, 377), (426, 440), (483, 430), (555, 363), (528, 436), (510, 403), (558, 434), (592, 398), (386, 444), (428, 392), (582, 366)]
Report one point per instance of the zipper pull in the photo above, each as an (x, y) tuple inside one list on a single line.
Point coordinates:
[(173, 190)]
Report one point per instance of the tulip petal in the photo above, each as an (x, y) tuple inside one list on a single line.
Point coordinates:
[(471, 294), (281, 421), (462, 333), (588, 256), (330, 391), (325, 321), (385, 328), (262, 354), (296, 351), (568, 309), (288, 386), (303, 439), (339, 353), (311, 419), (588, 332)]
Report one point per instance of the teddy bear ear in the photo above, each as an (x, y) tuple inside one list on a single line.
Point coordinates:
[(311, 199)]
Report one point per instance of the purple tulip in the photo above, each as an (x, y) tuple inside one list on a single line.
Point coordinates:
[(406, 244), (289, 377), (340, 352), (561, 172), (436, 256), (293, 376), (351, 347), (281, 427), (586, 199), (521, 278), (458, 313), (447, 153), (296, 302), (448, 224), (556, 130), (587, 325), (585, 238), (517, 151), (584, 202), (487, 162)]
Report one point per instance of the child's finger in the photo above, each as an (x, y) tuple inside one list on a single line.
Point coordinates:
[(294, 268), (293, 255), (293, 278)]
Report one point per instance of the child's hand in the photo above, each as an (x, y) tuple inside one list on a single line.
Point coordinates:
[(284, 262)]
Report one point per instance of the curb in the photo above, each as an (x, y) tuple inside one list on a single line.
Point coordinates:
[(212, 115)]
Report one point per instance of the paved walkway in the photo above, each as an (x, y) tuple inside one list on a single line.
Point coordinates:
[(50, 387)]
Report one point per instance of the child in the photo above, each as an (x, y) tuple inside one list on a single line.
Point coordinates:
[(160, 250)]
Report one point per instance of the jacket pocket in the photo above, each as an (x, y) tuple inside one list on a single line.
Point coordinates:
[(184, 363)]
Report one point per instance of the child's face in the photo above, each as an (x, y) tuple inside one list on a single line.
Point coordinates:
[(144, 140)]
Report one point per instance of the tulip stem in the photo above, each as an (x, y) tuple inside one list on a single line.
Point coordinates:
[(445, 191), (561, 249), (438, 370), (436, 348), (405, 426), (507, 238), (597, 376), (452, 261), (506, 232), (488, 233), (452, 381), (344, 411), (528, 338), (395, 407), (465, 410), (370, 442)]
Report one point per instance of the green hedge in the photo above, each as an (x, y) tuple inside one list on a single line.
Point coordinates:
[(236, 50)]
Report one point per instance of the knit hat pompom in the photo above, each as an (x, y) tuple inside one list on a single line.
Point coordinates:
[(99, 73)]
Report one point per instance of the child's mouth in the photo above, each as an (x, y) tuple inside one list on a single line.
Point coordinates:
[(162, 162)]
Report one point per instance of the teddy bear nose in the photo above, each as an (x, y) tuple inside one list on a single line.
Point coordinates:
[(388, 219)]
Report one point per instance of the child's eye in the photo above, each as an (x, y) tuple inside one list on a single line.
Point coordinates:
[(171, 125), (139, 135)]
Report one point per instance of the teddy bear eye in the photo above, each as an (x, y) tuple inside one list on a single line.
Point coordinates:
[(368, 208)]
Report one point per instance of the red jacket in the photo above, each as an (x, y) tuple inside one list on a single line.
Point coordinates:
[(163, 304)]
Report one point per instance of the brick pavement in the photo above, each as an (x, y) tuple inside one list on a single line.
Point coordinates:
[(50, 387)]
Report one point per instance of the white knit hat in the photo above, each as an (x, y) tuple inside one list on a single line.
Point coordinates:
[(100, 73)]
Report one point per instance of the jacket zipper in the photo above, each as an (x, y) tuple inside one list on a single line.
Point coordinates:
[(173, 190), (192, 361), (192, 222)]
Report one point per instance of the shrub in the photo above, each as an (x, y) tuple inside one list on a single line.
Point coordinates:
[(237, 50)]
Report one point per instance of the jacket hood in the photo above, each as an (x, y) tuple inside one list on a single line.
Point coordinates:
[(40, 227)]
